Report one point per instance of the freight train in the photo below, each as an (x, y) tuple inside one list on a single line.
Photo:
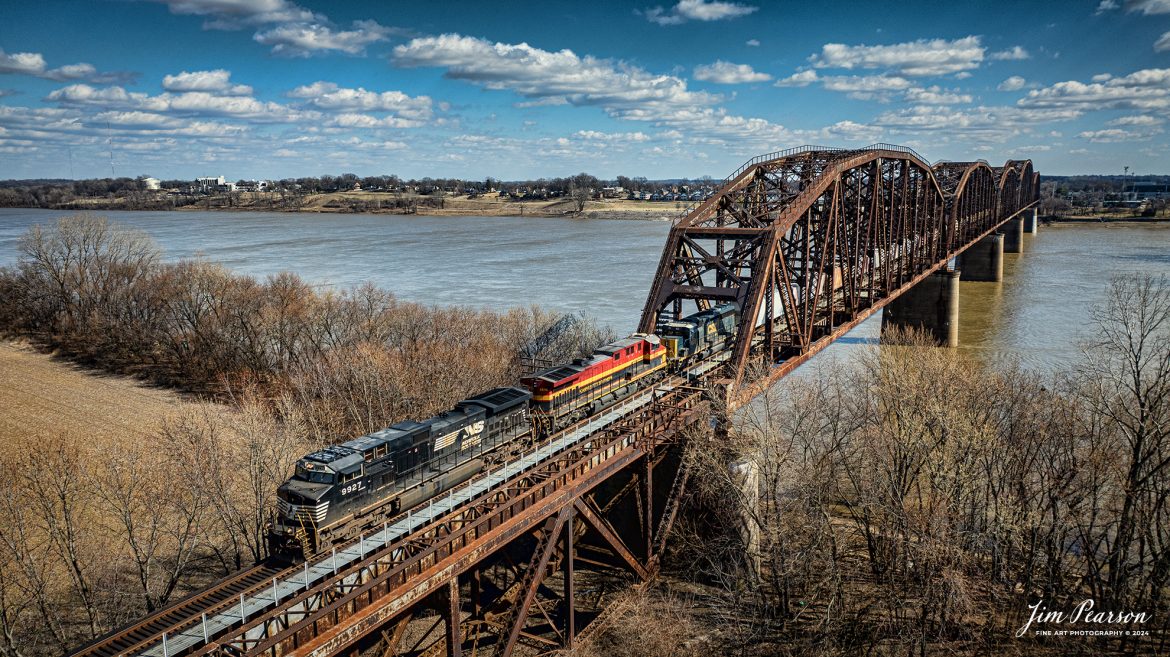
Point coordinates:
[(343, 490)]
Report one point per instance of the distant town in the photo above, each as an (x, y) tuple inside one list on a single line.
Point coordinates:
[(622, 196)]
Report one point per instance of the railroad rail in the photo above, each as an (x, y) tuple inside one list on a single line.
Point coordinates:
[(810, 242)]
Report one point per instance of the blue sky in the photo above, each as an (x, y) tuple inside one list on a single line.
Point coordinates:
[(276, 88)]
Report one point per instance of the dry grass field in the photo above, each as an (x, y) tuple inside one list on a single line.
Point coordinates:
[(43, 397)]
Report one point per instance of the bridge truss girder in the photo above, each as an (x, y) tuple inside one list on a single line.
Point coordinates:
[(811, 241)]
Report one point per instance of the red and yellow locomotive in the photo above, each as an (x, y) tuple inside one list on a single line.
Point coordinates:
[(567, 393)]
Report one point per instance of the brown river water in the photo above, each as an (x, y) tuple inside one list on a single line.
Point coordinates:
[(603, 267)]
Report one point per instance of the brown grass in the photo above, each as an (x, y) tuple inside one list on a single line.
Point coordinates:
[(43, 397)]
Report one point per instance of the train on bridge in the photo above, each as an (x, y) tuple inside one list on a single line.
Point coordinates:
[(340, 491)]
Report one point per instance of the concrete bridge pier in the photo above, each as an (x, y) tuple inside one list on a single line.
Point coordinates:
[(1032, 221), (1013, 232), (983, 260), (932, 305)]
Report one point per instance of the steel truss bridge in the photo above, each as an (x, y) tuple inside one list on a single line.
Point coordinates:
[(809, 241)]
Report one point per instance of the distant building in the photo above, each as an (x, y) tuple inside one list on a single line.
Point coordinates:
[(209, 184)]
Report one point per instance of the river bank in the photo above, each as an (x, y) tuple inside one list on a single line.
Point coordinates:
[(383, 203), (1105, 219)]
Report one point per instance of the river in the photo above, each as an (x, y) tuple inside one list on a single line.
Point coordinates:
[(604, 266)]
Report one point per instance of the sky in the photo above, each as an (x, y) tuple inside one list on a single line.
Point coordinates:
[(256, 89)]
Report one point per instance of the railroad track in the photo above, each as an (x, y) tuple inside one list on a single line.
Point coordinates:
[(129, 640)]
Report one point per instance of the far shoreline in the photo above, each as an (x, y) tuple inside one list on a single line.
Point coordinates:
[(374, 203)]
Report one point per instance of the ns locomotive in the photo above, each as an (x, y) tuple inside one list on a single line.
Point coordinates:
[(346, 489), (342, 490)]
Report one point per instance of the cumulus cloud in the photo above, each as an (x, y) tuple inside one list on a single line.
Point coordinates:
[(191, 103), (555, 76), (234, 14), (622, 90), (916, 58), (33, 63), (722, 72), (611, 137), (290, 29), (1140, 120), (998, 123), (217, 81), (1111, 135), (1014, 83), (1147, 89), (1107, 5), (697, 10), (753, 43), (329, 96), (935, 95), (304, 39), (1013, 53), (800, 79)]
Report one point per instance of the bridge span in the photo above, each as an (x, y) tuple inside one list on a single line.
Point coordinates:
[(810, 242)]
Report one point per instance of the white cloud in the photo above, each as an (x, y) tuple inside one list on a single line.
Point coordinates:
[(935, 95), (1163, 43), (28, 63), (999, 123), (233, 14), (217, 81), (328, 96), (1137, 121), (191, 103), (1148, 7), (33, 63), (553, 77), (1141, 90), (1107, 5), (865, 83), (915, 58), (1011, 54), (611, 137), (1014, 83), (303, 39), (356, 120), (1102, 77), (698, 10), (290, 29), (753, 43), (622, 90), (722, 72), (1112, 135), (801, 79)]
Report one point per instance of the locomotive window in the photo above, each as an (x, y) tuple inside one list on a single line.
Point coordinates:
[(314, 476)]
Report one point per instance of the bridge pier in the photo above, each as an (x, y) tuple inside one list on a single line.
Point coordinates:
[(1032, 221), (1013, 232), (983, 261), (932, 305)]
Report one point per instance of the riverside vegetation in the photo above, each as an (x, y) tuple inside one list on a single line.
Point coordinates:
[(911, 501), (95, 533)]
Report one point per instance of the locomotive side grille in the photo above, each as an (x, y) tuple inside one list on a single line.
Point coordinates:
[(303, 512)]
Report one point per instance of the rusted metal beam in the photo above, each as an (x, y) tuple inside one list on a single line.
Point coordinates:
[(603, 528)]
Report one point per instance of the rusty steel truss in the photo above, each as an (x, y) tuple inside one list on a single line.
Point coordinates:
[(813, 240), (809, 242)]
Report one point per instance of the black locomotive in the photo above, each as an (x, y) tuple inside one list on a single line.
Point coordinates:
[(341, 490)]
